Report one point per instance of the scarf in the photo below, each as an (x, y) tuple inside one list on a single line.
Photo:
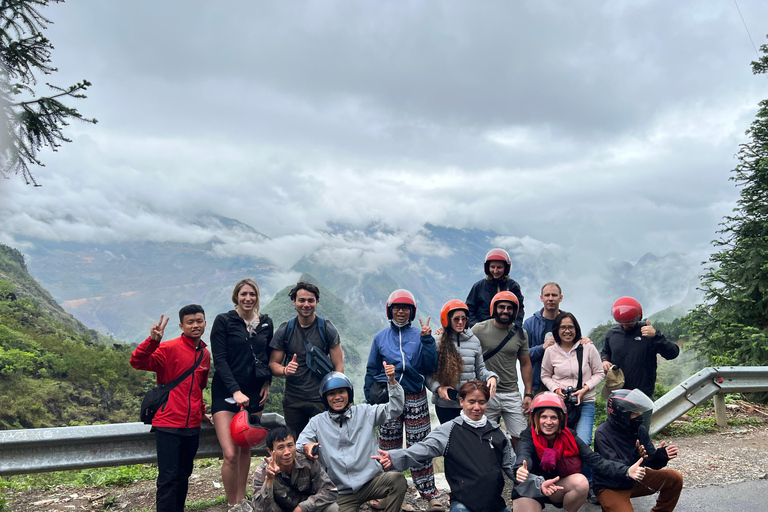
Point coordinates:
[(563, 456), (400, 324), (473, 423)]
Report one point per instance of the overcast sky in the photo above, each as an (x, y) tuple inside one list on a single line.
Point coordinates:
[(608, 125)]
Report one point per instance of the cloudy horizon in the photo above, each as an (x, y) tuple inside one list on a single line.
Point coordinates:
[(593, 128)]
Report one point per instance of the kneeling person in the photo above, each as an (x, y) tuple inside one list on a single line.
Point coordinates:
[(624, 438), (288, 481), (346, 439), (473, 469)]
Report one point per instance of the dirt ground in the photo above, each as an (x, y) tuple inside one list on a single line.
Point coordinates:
[(733, 454)]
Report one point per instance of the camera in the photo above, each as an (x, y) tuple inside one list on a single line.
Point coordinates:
[(570, 395)]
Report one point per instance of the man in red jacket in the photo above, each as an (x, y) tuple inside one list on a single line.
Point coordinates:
[(177, 424)]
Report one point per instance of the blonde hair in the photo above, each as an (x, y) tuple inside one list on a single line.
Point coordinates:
[(239, 286)]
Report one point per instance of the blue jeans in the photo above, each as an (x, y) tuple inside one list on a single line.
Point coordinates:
[(458, 507), (584, 430)]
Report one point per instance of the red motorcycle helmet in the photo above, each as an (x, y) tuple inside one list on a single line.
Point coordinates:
[(549, 400), (451, 305), (505, 296), (498, 255), (627, 310), (401, 296), (244, 433)]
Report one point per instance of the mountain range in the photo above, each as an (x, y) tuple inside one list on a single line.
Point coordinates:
[(121, 288)]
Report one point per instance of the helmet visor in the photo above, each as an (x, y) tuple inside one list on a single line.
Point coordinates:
[(637, 401)]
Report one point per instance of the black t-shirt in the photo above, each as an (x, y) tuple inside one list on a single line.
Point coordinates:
[(304, 385)]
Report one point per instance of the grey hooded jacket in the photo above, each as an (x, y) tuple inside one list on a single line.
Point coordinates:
[(474, 367), (348, 440)]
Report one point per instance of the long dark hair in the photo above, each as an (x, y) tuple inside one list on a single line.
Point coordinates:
[(449, 361), (556, 326)]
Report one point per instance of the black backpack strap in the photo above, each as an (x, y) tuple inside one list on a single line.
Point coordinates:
[(178, 380), (500, 346), (580, 359)]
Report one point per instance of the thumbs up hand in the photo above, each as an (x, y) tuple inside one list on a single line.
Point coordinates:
[(522, 472), (389, 371), (636, 471), (292, 366), (647, 330)]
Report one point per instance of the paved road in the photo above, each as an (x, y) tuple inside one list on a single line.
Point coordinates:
[(741, 497)]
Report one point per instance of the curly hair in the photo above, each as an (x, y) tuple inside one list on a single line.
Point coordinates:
[(449, 361)]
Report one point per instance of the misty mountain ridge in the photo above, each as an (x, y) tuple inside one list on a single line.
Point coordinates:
[(122, 287)]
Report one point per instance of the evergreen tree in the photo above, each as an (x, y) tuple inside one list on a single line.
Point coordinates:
[(731, 326), (29, 122)]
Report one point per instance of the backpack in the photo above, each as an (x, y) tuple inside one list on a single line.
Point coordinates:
[(317, 360)]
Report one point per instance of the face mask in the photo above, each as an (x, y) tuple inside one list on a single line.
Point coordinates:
[(634, 423)]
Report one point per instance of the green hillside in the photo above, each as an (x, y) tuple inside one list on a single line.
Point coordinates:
[(55, 372), (355, 330)]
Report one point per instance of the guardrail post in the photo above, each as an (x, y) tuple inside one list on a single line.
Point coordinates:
[(720, 417)]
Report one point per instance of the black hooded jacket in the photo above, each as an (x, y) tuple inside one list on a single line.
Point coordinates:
[(479, 299)]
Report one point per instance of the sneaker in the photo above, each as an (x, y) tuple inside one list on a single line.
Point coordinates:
[(591, 497)]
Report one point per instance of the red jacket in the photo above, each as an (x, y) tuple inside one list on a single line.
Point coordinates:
[(169, 359)]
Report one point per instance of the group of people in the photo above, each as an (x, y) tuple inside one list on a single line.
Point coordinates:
[(333, 455)]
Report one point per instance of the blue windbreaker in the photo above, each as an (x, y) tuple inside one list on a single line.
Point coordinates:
[(395, 345)]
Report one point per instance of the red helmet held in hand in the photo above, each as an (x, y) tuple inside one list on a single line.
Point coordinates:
[(404, 297), (627, 310), (244, 433)]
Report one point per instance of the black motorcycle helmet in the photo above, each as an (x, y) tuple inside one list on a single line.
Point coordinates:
[(621, 404)]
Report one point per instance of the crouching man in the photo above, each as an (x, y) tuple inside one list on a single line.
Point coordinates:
[(345, 438), (287, 481), (623, 438), (476, 454)]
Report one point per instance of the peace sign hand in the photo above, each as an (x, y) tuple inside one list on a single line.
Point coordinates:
[(426, 330), (157, 330)]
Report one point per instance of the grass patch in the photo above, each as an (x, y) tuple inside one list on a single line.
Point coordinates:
[(701, 420), (204, 504), (101, 477)]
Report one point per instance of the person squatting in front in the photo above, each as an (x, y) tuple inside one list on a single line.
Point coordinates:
[(345, 438), (548, 448), (623, 438), (459, 359), (287, 481), (177, 424), (413, 354), (476, 452)]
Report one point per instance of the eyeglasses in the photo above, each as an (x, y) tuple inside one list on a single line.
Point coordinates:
[(566, 328), (397, 307), (458, 319), (505, 308)]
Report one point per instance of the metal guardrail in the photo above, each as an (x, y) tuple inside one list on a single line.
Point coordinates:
[(702, 386), (53, 449), (39, 450)]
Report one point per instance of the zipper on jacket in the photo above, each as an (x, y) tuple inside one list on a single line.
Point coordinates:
[(191, 385), (402, 354)]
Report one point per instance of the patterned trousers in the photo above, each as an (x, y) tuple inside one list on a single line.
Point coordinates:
[(416, 419)]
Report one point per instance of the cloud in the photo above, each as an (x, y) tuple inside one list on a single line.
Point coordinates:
[(598, 125)]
